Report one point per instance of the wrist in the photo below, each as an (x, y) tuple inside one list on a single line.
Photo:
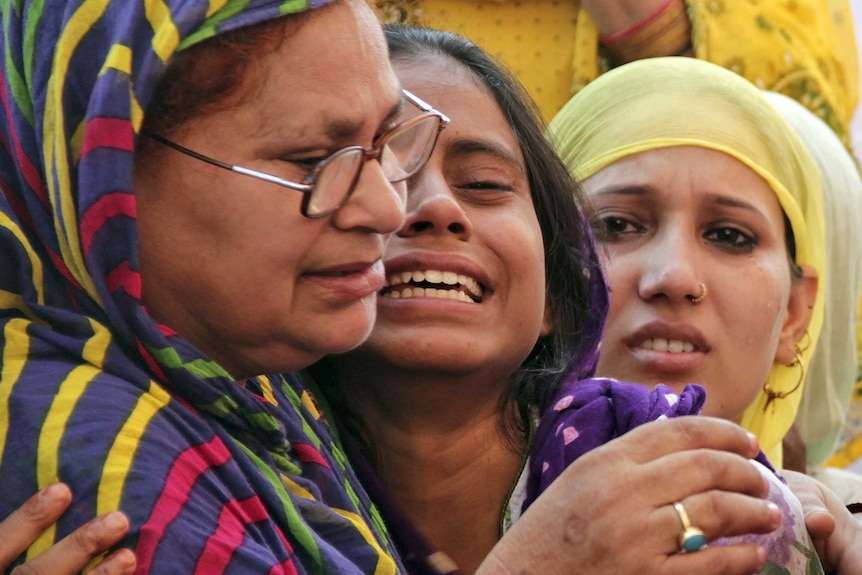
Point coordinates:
[(666, 33), (623, 23)]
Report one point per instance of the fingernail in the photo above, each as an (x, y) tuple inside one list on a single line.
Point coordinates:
[(753, 441), (775, 511), (54, 493), (114, 521), (122, 561)]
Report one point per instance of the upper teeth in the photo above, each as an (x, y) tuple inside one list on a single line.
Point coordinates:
[(447, 278), (671, 345)]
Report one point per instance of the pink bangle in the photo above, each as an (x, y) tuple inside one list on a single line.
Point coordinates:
[(637, 25)]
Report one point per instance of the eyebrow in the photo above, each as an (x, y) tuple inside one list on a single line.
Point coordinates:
[(624, 190), (721, 200), (470, 146), (711, 197), (344, 129)]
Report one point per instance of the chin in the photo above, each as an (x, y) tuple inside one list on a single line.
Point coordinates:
[(350, 332)]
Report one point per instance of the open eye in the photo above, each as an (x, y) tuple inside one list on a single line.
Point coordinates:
[(611, 227), (731, 238)]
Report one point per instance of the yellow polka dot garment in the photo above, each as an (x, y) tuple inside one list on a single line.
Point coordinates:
[(802, 48)]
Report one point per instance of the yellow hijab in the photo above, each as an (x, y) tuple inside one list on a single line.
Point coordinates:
[(675, 101)]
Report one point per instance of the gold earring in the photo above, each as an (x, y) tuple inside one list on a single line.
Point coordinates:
[(771, 394), (807, 338)]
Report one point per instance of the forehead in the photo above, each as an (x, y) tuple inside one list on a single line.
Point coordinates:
[(688, 174), (456, 91), (334, 63)]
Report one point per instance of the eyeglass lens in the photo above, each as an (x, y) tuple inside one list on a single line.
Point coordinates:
[(404, 152)]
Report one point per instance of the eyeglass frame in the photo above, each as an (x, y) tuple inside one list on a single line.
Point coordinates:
[(307, 188)]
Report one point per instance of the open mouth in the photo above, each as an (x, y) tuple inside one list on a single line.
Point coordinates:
[(667, 345), (433, 284)]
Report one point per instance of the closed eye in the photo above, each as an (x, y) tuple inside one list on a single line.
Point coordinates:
[(488, 186)]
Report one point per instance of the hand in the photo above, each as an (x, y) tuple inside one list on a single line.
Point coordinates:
[(836, 534), (75, 551), (611, 16), (611, 511)]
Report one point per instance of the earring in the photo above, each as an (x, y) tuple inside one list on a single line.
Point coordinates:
[(771, 394), (807, 339), (698, 299)]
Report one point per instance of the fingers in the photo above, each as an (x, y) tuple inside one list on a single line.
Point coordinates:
[(730, 560), (612, 508), (121, 562), (23, 526), (76, 550), (718, 515), (699, 470), (659, 438), (819, 520), (837, 536)]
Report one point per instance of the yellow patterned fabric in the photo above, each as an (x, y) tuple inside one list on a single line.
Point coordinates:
[(804, 48), (849, 452), (663, 102)]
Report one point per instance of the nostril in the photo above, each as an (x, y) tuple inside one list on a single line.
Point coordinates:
[(455, 228), (420, 226)]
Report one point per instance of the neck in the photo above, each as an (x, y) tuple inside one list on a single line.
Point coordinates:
[(440, 453)]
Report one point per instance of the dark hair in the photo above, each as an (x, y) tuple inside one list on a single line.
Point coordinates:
[(215, 74), (575, 284)]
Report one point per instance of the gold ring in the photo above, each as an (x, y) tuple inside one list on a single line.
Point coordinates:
[(691, 538)]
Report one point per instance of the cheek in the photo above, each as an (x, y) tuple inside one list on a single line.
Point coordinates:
[(529, 254), (755, 299), (622, 284), (519, 249), (750, 311)]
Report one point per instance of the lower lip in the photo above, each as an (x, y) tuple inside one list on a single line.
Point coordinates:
[(356, 285), (433, 305), (668, 362)]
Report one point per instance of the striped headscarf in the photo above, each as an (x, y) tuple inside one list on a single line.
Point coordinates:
[(216, 478), (675, 101)]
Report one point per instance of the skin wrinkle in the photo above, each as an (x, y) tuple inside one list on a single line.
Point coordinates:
[(279, 325)]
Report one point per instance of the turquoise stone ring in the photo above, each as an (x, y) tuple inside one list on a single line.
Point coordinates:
[(691, 538)]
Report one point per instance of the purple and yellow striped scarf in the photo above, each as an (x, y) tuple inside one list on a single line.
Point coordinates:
[(216, 478)]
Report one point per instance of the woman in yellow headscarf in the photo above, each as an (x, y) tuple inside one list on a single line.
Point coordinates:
[(805, 49), (710, 211)]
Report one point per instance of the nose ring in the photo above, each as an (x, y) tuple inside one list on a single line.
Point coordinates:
[(698, 299)]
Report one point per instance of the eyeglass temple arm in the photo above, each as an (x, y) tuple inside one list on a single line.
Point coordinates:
[(425, 107), (238, 169)]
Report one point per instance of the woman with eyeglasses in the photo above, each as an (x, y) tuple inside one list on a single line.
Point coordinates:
[(147, 293), (165, 267)]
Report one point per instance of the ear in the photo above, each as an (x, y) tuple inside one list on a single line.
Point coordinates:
[(803, 293), (547, 319)]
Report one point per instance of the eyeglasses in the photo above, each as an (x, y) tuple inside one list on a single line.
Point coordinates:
[(401, 151)]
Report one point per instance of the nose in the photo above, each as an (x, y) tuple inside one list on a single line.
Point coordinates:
[(670, 268), (376, 205), (432, 208)]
